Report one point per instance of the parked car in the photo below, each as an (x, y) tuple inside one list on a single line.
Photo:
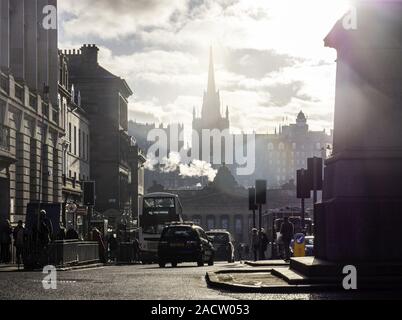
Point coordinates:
[(184, 242), (224, 245)]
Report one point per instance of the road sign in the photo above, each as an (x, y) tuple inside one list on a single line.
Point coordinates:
[(303, 187), (261, 191), (299, 245)]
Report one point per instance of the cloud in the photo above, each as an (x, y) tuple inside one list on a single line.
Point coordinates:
[(269, 55), (256, 64), (107, 19)]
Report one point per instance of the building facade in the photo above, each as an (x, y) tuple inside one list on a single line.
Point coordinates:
[(76, 155), (105, 101), (30, 125)]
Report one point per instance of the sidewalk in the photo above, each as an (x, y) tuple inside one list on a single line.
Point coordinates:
[(269, 276), (14, 267)]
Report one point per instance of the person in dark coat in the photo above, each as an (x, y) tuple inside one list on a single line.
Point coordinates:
[(61, 235), (19, 241), (264, 244), (97, 236), (287, 231), (72, 234), (113, 246), (45, 230), (5, 241)]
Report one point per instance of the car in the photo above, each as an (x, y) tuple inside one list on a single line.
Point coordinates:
[(224, 245), (185, 242)]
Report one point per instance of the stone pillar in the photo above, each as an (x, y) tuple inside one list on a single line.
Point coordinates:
[(47, 174), (17, 59), (4, 34), (53, 63), (31, 50), (57, 174), (360, 217), (43, 49), (35, 169), (22, 175)]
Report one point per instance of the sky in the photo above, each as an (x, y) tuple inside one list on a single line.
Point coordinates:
[(269, 55)]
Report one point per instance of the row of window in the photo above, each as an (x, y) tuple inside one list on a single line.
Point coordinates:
[(79, 142), (281, 146), (78, 177)]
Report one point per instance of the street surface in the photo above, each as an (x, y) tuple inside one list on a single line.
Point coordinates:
[(136, 282)]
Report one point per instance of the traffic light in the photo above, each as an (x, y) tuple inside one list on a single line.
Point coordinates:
[(261, 192), (314, 169), (251, 199), (303, 184), (89, 193)]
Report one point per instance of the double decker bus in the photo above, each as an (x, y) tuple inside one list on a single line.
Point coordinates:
[(158, 209)]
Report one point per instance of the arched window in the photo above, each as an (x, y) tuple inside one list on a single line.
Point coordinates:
[(225, 222), (210, 222), (270, 146), (238, 224), (281, 146)]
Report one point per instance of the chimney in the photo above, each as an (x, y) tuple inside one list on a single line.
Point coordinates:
[(89, 53)]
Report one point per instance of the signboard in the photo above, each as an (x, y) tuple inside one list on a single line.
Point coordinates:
[(261, 192), (299, 245)]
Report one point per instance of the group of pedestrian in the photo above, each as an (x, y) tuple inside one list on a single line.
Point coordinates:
[(7, 234), (259, 243)]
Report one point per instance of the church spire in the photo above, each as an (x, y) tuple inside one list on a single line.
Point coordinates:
[(211, 73)]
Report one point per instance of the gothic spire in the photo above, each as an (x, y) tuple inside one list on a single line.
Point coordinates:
[(211, 74)]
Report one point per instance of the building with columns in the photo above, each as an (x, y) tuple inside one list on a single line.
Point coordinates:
[(30, 123)]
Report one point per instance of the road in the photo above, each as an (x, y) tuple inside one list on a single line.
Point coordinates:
[(147, 282)]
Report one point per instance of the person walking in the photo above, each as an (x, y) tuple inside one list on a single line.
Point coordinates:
[(19, 242), (287, 232), (5, 241), (254, 242), (97, 236), (264, 244)]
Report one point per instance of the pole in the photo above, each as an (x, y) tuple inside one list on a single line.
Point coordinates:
[(254, 220), (273, 255), (303, 213), (314, 181), (260, 230)]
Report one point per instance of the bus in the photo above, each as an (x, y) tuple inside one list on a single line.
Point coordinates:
[(158, 210)]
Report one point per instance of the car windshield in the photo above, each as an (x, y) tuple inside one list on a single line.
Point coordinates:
[(181, 233), (219, 237)]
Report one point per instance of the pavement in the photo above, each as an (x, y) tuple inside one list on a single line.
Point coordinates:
[(149, 282)]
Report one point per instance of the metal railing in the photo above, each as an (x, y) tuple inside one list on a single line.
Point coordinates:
[(4, 138)]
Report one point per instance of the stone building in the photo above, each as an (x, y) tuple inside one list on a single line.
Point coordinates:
[(105, 101), (223, 204), (30, 127), (76, 154)]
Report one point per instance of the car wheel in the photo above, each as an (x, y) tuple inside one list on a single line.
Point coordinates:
[(162, 264), (174, 264), (211, 261), (200, 263)]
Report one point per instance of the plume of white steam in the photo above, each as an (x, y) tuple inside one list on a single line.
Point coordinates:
[(196, 168)]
